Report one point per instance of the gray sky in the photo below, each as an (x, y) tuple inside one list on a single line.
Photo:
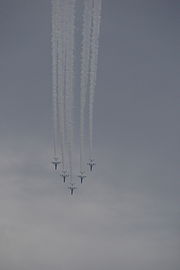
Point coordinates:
[(127, 215)]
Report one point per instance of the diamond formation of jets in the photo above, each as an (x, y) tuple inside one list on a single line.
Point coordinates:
[(64, 44), (64, 174)]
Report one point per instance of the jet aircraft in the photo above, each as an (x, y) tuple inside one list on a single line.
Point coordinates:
[(91, 164), (72, 188), (82, 176), (64, 175), (56, 162)]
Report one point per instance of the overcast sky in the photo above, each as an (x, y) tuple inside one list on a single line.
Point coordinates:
[(127, 214)]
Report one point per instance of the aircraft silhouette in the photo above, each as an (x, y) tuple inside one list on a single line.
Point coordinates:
[(64, 175), (72, 188), (91, 164), (82, 176), (56, 162)]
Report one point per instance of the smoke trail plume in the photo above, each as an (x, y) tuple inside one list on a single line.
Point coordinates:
[(54, 77), (85, 58), (61, 76), (69, 79), (63, 24), (93, 66)]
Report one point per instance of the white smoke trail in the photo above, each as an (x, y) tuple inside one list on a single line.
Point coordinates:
[(85, 58), (54, 77), (61, 75), (93, 66), (69, 79)]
